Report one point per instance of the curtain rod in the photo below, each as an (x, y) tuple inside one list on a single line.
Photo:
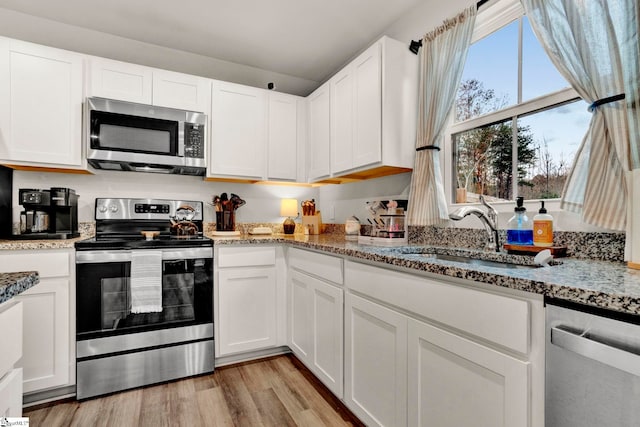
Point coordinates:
[(415, 46)]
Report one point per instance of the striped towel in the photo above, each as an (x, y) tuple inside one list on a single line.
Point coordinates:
[(146, 281)]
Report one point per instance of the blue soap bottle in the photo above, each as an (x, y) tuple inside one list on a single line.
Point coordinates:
[(520, 227)]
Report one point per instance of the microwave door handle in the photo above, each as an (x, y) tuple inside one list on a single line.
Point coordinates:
[(181, 137)]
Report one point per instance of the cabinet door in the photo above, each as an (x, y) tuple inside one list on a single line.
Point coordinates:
[(342, 120), (11, 394), (457, 382), (328, 326), (238, 137), (120, 80), (300, 316), (283, 137), (375, 362), (40, 105), (367, 116), (247, 300), (45, 360), (319, 139), (182, 91)]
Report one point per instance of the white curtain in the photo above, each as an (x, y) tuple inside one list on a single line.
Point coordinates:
[(594, 45), (442, 59)]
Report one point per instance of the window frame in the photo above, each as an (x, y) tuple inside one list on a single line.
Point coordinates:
[(492, 17)]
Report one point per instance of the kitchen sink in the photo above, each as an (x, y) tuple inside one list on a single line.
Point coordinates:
[(471, 257), (480, 262)]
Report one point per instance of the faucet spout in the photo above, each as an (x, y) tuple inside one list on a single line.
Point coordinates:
[(489, 220)]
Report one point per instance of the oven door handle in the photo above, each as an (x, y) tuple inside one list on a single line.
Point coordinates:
[(96, 257), (594, 349)]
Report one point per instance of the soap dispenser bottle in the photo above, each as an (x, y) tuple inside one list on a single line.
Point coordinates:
[(520, 227), (543, 228)]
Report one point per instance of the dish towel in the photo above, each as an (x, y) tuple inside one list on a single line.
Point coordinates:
[(146, 281)]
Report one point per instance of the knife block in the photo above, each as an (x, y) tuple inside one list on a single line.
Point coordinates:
[(313, 223)]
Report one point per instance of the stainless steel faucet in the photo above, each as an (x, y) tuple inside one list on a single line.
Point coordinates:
[(489, 219)]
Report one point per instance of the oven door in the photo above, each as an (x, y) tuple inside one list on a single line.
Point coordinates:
[(103, 292)]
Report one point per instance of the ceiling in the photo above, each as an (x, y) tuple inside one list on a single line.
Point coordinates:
[(300, 38)]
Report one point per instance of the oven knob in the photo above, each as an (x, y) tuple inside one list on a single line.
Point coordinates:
[(102, 208), (113, 208)]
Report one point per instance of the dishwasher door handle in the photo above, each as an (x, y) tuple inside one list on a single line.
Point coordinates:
[(596, 350)]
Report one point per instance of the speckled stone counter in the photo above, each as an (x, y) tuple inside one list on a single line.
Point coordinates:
[(12, 284), (87, 230), (603, 284)]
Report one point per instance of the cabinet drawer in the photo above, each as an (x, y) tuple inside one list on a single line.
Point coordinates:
[(323, 266), (11, 333), (500, 319), (53, 264), (246, 256)]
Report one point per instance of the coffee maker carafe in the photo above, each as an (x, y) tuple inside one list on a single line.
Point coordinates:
[(48, 214)]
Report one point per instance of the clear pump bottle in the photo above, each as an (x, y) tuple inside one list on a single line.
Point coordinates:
[(520, 227)]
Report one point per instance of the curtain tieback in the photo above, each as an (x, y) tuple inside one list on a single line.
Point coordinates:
[(428, 147), (602, 101)]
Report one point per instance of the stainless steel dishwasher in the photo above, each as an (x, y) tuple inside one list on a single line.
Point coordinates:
[(592, 367)]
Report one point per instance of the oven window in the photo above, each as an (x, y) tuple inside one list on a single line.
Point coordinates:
[(104, 298)]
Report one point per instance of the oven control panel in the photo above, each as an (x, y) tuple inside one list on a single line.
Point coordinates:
[(152, 208), (135, 209)]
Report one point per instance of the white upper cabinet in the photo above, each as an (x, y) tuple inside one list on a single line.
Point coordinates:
[(356, 113), (183, 91), (238, 132), (342, 120), (146, 85), (120, 80), (282, 147), (373, 115), (40, 106), (319, 138)]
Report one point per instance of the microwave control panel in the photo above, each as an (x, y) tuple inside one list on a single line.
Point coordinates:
[(194, 140)]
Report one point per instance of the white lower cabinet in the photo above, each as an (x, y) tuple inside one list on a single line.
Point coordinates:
[(48, 359), (375, 362), (316, 325), (420, 351), (247, 309), (11, 330), (249, 299), (316, 315), (456, 382)]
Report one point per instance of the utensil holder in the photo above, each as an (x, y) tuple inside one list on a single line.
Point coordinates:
[(226, 220)]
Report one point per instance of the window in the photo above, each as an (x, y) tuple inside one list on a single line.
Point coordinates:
[(517, 123)]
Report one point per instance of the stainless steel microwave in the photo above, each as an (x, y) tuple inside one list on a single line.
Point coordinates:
[(126, 136)]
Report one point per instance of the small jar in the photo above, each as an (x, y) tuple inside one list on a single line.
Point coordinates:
[(352, 228)]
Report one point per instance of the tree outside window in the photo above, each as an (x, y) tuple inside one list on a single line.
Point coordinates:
[(494, 134)]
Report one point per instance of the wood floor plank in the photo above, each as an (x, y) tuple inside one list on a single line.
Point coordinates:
[(276, 391), (213, 407), (272, 411), (241, 406)]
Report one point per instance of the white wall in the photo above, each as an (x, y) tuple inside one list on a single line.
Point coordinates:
[(50, 33), (263, 201)]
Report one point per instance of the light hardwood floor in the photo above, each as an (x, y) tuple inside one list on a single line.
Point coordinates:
[(278, 391)]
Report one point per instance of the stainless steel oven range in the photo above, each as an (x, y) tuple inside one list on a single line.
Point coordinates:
[(144, 303)]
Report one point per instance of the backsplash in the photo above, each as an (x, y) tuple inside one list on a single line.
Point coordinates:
[(583, 245)]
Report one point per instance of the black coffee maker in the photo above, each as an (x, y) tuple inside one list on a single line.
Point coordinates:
[(48, 214)]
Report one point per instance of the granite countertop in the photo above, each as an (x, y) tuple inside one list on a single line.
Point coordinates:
[(602, 284), (12, 284)]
